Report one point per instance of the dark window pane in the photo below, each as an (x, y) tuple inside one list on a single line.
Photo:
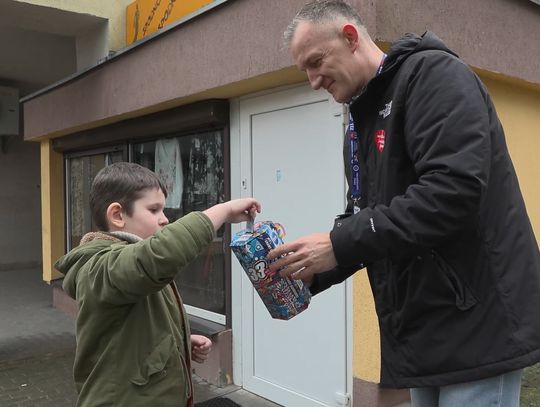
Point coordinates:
[(202, 283), (191, 168), (81, 173)]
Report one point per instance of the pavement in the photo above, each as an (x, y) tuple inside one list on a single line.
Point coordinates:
[(37, 347)]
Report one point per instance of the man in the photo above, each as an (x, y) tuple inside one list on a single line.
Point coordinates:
[(434, 211)]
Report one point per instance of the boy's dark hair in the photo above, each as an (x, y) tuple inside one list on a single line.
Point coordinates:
[(123, 183)]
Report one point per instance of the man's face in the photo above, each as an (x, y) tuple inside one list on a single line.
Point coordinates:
[(147, 216), (327, 59)]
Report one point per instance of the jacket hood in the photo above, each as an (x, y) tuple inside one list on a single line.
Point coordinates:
[(410, 44), (91, 243)]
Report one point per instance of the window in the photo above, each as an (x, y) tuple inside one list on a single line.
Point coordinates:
[(187, 146), (192, 169), (80, 171)]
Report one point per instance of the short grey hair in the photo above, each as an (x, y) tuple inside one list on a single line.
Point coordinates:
[(322, 12)]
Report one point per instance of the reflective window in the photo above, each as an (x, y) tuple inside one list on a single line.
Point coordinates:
[(81, 171), (192, 168)]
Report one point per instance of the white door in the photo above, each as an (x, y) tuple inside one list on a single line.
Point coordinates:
[(289, 147)]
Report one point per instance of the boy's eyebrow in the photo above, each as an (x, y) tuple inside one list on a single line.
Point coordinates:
[(158, 204)]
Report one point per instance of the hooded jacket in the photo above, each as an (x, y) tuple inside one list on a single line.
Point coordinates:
[(450, 252), (133, 339)]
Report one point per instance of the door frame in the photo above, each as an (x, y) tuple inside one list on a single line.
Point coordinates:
[(296, 95)]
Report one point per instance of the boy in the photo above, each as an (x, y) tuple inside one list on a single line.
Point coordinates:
[(133, 342)]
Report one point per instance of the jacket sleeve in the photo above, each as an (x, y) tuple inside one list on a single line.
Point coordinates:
[(128, 272), (323, 281), (447, 137)]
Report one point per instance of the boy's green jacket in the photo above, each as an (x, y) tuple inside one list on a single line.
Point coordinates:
[(133, 346)]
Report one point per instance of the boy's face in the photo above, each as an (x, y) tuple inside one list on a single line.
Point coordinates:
[(147, 216)]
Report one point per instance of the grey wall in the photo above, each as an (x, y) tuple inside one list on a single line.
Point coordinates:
[(240, 42), (20, 216), (92, 46), (496, 35), (32, 60)]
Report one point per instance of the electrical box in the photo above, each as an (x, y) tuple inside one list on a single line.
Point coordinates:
[(9, 111)]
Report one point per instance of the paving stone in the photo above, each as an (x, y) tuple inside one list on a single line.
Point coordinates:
[(37, 348)]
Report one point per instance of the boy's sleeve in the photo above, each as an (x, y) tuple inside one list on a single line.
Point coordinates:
[(129, 272)]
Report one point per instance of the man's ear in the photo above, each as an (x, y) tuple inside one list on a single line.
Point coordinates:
[(115, 215), (350, 33)]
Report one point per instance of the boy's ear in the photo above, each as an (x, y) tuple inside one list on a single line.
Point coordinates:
[(115, 215)]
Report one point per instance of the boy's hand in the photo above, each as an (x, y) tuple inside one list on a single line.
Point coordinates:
[(237, 210), (242, 210), (200, 348)]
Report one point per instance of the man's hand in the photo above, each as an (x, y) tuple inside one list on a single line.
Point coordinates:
[(304, 257), (200, 348)]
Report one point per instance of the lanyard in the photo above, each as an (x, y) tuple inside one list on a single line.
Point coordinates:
[(355, 184), (354, 151)]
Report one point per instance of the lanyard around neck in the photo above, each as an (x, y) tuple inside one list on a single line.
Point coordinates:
[(354, 164), (354, 151)]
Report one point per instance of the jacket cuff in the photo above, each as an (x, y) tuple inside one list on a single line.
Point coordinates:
[(323, 281)]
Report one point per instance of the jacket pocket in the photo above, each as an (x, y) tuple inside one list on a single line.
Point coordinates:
[(156, 362), (465, 299)]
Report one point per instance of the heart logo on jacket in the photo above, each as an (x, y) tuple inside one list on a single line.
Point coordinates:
[(380, 139)]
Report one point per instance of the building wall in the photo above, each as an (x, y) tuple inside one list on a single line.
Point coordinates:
[(518, 107), (54, 53), (115, 11), (246, 55), (366, 343), (20, 197), (489, 34)]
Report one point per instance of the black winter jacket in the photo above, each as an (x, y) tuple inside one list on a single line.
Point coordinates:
[(451, 256)]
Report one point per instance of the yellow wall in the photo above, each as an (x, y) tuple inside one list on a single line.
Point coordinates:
[(518, 107), (52, 209), (114, 10), (366, 344)]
